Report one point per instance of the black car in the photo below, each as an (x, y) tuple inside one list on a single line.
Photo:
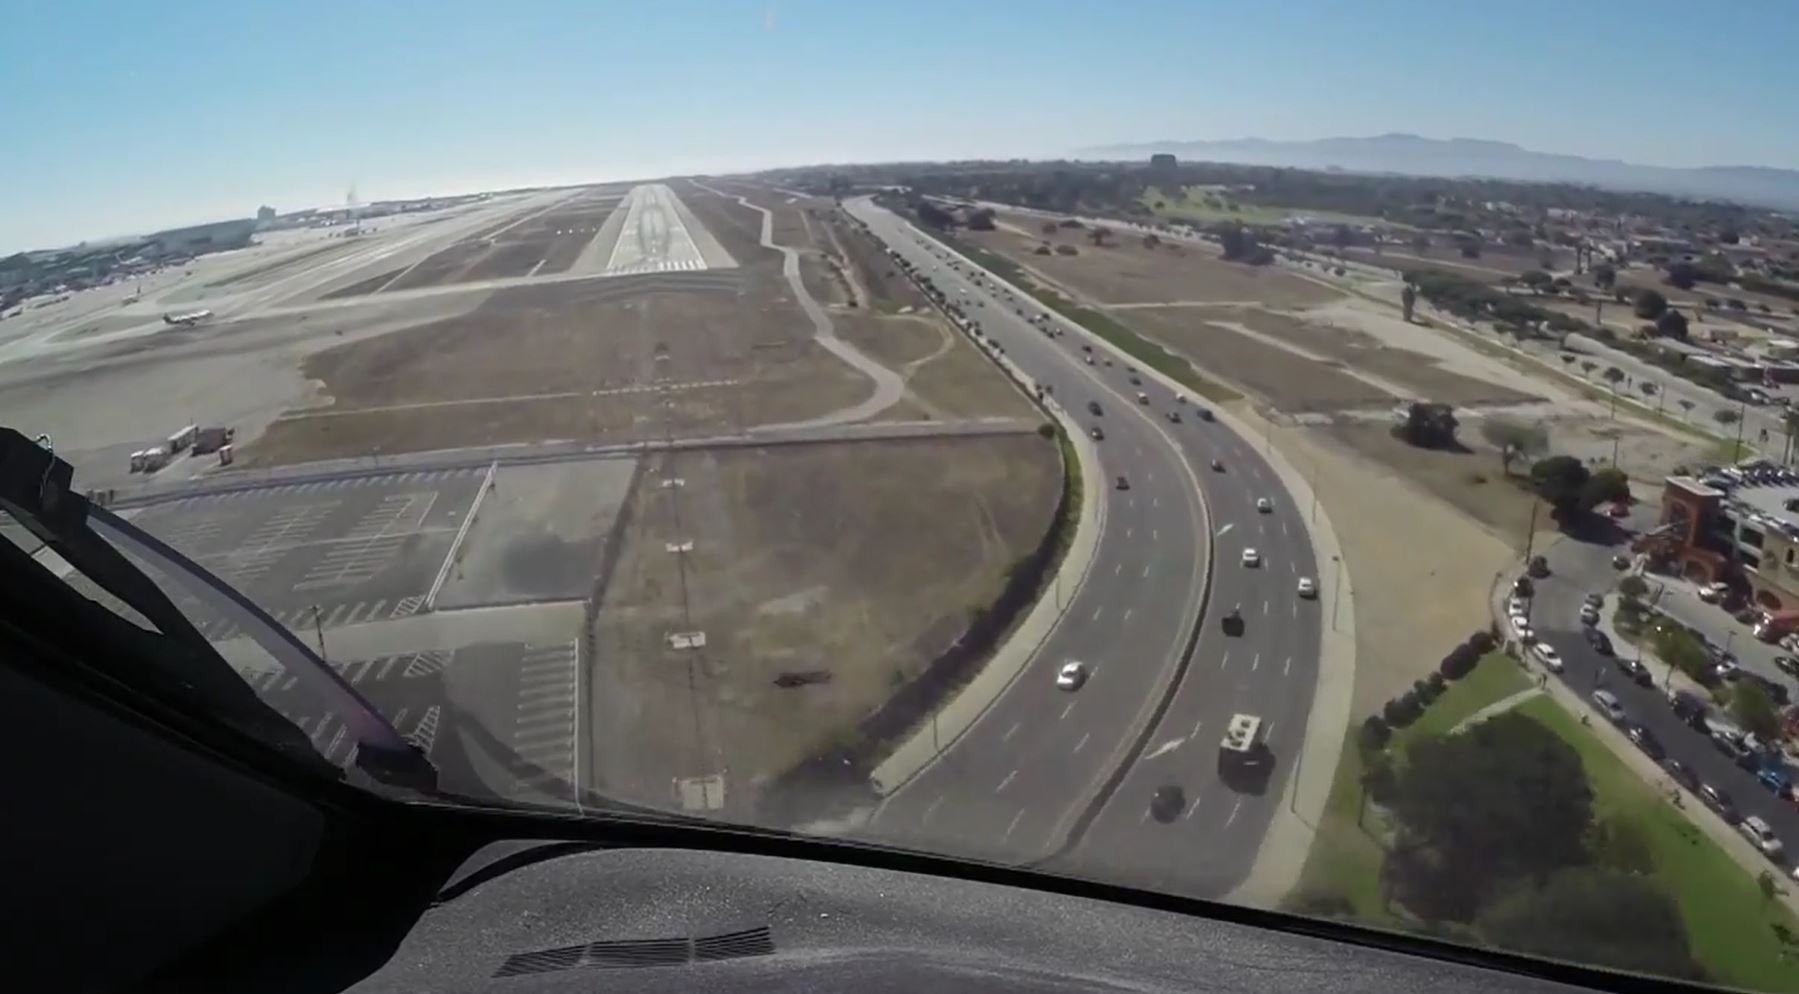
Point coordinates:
[(1205, 413), (1093, 408), (1690, 708), (1598, 640), (1681, 773), (1636, 671), (1168, 803), (1718, 801), (1646, 741)]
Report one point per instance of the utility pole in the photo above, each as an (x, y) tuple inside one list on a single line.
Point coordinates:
[(318, 630), (1530, 535)]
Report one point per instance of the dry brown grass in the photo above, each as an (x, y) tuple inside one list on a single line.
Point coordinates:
[(858, 560), (1288, 381)]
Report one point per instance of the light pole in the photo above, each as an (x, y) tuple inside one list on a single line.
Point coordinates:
[(1336, 588), (318, 630)]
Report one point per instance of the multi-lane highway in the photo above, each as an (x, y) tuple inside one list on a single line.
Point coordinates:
[(1047, 773)]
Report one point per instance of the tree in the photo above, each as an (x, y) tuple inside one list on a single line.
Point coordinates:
[(1613, 375), (1649, 304), (1633, 587), (1672, 324), (1503, 801), (1604, 275), (1594, 915), (1587, 366), (1685, 405), (1151, 240), (1648, 387), (1429, 425), (1753, 709), (1048, 227), (1099, 236), (1607, 485), (980, 220), (1680, 649), (1682, 275), (1726, 415), (1514, 438), (1560, 480), (1420, 242)]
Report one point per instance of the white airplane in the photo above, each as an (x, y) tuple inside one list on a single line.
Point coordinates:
[(187, 317)]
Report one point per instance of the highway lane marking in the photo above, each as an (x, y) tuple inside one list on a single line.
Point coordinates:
[(1098, 611), (1283, 528), (1083, 741), (1295, 609), (1233, 817), (1067, 709), (1146, 569), (1225, 661), (1127, 531), (1196, 728), (1008, 736), (931, 809), (1287, 666), (1014, 825), (1264, 609), (1155, 502), (1168, 746), (1190, 809), (1226, 528), (1118, 569), (1007, 780), (1154, 534), (1127, 614), (1255, 662)]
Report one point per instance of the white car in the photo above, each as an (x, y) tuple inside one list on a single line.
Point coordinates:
[(1711, 593), (1071, 675), (1546, 652), (1308, 587), (1608, 705), (1264, 505), (1251, 557), (1761, 836)]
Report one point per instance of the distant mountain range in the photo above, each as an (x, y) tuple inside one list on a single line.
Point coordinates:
[(1411, 155)]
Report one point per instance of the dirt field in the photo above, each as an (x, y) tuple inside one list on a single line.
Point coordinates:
[(545, 243), (1125, 272), (737, 228), (291, 260), (1290, 382), (947, 376), (1416, 373), (1414, 599), (887, 287), (604, 360), (849, 566)]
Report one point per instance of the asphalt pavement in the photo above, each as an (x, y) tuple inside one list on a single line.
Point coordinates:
[(1582, 568), (1018, 783)]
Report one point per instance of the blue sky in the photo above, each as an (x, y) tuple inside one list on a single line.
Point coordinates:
[(129, 115)]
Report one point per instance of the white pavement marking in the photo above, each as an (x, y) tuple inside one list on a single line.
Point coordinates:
[(1154, 534), (1127, 614), (1067, 709), (1007, 781), (1191, 808), (1287, 667), (1227, 527), (1127, 531), (1196, 727), (1083, 742), (1146, 569), (1233, 817), (1014, 825), (1264, 608), (1224, 660), (1168, 746), (1118, 569), (931, 809), (1098, 611), (1010, 732), (1255, 663)]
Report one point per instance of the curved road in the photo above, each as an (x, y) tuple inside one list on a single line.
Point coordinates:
[(1018, 785)]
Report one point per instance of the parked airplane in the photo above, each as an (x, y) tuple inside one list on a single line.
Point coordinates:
[(187, 317)]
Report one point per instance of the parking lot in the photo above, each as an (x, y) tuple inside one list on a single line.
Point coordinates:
[(496, 719), (323, 553)]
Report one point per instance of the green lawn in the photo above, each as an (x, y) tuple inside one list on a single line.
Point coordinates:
[(1730, 926), (1203, 206), (1345, 859), (1104, 325)]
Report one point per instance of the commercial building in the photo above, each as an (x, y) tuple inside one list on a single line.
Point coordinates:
[(1734, 528), (200, 239)]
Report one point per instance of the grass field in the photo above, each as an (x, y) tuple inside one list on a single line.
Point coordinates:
[(1204, 206), (1731, 927), (1345, 858)]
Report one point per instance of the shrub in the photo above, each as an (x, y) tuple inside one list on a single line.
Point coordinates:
[(1633, 586), (1460, 662), (1436, 683), (1482, 642), (1376, 733)]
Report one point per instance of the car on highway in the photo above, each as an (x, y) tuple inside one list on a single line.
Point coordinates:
[(1778, 782), (1264, 505), (1589, 615), (1546, 654), (1071, 675), (1711, 593), (1787, 664), (1142, 398), (1308, 587), (1097, 433), (1217, 466), (1174, 416), (1205, 413), (1094, 409), (1167, 803), (1123, 483), (1089, 360), (1607, 704), (1600, 641), (1251, 557), (1522, 629), (1761, 837), (1136, 380)]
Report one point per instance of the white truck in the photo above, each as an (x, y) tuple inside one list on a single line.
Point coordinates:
[(212, 439)]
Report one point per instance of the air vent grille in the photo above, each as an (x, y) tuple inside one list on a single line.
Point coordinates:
[(632, 953)]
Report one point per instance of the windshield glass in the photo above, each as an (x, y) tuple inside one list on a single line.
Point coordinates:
[(1331, 458)]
